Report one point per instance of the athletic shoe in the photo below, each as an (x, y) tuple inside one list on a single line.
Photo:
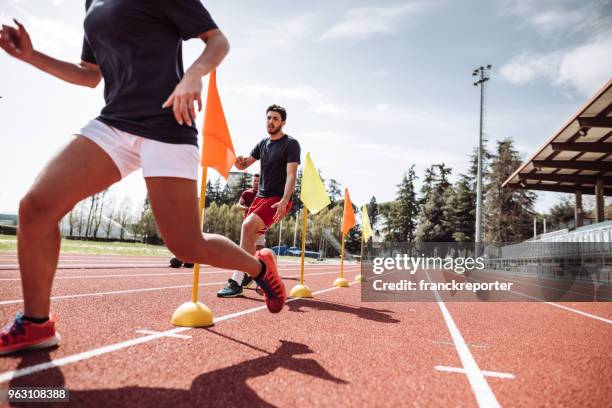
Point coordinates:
[(175, 262), (246, 280), (23, 335), (232, 289), (270, 282)]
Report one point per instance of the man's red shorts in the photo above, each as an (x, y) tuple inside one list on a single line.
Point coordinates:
[(263, 208)]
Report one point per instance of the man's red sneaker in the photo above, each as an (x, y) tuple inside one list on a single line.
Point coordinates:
[(270, 282), (23, 335)]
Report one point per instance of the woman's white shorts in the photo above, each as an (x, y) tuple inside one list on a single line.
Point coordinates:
[(131, 152)]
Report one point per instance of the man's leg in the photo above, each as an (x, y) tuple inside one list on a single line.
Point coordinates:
[(79, 170), (175, 207), (251, 226)]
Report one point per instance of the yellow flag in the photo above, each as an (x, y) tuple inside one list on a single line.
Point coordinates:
[(366, 228), (313, 193)]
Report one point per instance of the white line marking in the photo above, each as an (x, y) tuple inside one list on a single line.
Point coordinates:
[(86, 355), (14, 267), (135, 275), (118, 292), (108, 276), (483, 393), (177, 336), (485, 373), (557, 305), (8, 302)]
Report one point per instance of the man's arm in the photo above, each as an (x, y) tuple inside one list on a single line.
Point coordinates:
[(16, 42), (281, 206), (243, 162), (241, 205), (189, 90)]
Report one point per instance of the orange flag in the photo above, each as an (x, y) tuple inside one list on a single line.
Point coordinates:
[(348, 216), (217, 149)]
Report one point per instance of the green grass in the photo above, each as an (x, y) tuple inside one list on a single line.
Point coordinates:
[(9, 243)]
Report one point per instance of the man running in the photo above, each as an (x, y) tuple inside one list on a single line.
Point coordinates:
[(147, 123), (279, 156)]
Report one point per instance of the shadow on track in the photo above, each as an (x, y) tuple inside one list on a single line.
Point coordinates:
[(225, 387), (376, 315)]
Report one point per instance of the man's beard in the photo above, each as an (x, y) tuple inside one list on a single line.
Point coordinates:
[(273, 131)]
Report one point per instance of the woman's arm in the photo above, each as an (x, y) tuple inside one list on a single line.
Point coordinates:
[(16, 42), (189, 90)]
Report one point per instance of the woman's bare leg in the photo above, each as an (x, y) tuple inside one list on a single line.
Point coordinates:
[(175, 205), (79, 170)]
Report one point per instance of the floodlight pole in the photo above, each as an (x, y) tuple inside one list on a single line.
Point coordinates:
[(482, 76)]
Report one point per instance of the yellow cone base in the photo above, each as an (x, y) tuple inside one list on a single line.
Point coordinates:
[(300, 291), (341, 283), (360, 278), (192, 314)]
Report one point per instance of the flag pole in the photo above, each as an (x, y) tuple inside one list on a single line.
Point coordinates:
[(300, 290), (303, 245), (196, 267), (361, 256), (194, 313), (340, 281), (342, 258)]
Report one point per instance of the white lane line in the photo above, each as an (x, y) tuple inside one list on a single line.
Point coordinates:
[(579, 312), (481, 389), (119, 292), (131, 275), (557, 305), (174, 335), (495, 374), (95, 266), (108, 276), (9, 375), (14, 267)]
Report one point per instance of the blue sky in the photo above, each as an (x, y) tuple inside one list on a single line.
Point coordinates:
[(371, 87)]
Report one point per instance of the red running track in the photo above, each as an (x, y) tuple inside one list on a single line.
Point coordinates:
[(119, 348)]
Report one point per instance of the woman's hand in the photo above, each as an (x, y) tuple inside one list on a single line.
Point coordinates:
[(182, 99), (16, 42)]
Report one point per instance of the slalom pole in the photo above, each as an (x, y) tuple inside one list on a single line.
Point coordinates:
[(196, 267), (303, 245)]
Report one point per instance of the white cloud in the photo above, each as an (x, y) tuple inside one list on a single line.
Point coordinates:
[(582, 68), (554, 17), (284, 33), (316, 100), (587, 67), (367, 21)]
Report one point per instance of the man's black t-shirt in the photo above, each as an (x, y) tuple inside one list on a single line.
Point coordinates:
[(137, 45), (274, 156)]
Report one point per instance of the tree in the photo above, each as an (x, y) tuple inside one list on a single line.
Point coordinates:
[(124, 216), (373, 211), (110, 215), (561, 213), (244, 183), (146, 225), (295, 198), (433, 225), (508, 213), (334, 191), (460, 210), (401, 218)]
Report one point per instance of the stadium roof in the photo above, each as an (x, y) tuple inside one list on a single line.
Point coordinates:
[(577, 155)]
